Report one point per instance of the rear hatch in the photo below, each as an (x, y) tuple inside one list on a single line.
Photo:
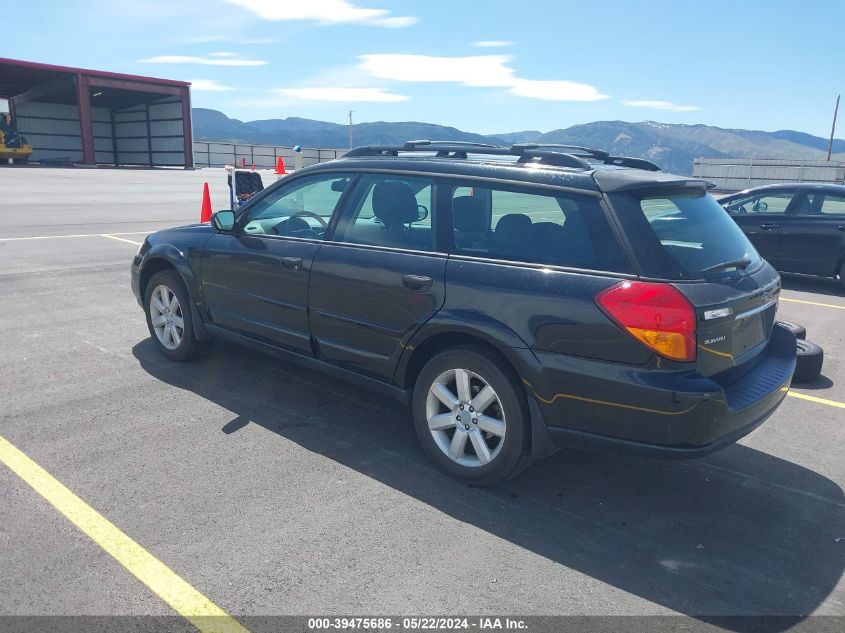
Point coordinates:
[(680, 234)]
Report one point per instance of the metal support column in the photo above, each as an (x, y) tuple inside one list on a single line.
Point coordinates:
[(86, 127)]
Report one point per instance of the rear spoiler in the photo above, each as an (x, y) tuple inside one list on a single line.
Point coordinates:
[(617, 180)]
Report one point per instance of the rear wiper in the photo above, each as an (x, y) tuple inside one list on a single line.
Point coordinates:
[(742, 264)]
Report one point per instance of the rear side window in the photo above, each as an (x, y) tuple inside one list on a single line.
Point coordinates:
[(524, 225), (683, 235)]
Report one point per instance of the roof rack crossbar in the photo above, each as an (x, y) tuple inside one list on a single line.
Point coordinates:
[(576, 150), (558, 159)]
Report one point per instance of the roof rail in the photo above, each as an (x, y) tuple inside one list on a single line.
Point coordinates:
[(528, 153)]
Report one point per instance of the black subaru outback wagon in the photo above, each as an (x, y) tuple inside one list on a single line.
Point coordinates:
[(519, 299)]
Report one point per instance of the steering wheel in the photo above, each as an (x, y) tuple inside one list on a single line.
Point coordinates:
[(310, 214), (286, 222)]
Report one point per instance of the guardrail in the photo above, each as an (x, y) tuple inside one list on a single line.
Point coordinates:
[(218, 154), (735, 174)]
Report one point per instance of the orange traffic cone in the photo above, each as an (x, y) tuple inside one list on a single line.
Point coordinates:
[(280, 166), (205, 213)]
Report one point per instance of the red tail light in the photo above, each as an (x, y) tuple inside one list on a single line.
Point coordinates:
[(655, 314)]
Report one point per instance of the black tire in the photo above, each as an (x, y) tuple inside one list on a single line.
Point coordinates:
[(514, 453), (189, 347), (799, 331), (808, 365)]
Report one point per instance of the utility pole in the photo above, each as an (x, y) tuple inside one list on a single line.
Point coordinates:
[(350, 128), (832, 129)]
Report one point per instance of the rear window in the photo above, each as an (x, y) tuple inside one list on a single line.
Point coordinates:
[(518, 224), (683, 235)]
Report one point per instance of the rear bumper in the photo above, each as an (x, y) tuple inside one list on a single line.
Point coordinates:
[(596, 405)]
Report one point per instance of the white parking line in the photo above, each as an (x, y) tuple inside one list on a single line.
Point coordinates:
[(54, 237), (114, 237)]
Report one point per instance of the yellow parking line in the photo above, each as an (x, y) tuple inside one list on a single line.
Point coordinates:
[(185, 600), (804, 396), (120, 239), (814, 303)]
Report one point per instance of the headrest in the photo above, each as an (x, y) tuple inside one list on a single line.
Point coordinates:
[(394, 203), (513, 227), (468, 214)]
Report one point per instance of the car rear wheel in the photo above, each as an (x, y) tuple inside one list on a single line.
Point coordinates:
[(808, 364), (167, 306), (472, 417)]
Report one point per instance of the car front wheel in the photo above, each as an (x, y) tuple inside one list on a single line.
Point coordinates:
[(167, 306), (471, 415)]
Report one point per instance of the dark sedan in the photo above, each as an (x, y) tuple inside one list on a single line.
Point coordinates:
[(798, 228)]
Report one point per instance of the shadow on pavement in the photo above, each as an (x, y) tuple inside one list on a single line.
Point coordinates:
[(817, 285), (739, 533)]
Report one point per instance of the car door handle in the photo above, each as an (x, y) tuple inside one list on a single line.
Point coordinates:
[(293, 263), (769, 225), (416, 282), (841, 227)]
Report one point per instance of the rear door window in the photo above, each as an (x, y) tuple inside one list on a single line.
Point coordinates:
[(390, 210), (683, 235), (538, 227), (833, 204)]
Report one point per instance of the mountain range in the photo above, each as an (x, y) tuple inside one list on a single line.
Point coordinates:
[(672, 146)]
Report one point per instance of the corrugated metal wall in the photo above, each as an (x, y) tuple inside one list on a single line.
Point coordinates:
[(51, 128), (150, 134), (211, 154), (736, 174), (140, 135)]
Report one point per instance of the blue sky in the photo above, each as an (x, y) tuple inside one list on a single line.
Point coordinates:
[(480, 65)]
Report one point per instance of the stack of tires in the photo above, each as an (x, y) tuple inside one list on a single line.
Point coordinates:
[(810, 358)]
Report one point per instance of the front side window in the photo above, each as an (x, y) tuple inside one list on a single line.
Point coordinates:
[(683, 235), (302, 208), (762, 203), (390, 210), (534, 227)]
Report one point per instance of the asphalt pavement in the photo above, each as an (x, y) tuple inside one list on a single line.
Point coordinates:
[(275, 490)]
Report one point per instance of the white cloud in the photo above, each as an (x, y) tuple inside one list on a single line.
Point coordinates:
[(556, 90), (223, 54), (341, 94), (491, 44), (323, 12), (482, 71), (206, 61), (209, 85), (659, 105)]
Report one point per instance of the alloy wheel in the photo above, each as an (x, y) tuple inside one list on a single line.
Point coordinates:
[(166, 317), (465, 417)]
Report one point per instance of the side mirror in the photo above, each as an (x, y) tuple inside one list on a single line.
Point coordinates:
[(223, 221), (761, 207), (422, 213)]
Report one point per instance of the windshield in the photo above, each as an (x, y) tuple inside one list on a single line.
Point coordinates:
[(682, 235)]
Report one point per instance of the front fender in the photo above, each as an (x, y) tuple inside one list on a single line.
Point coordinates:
[(188, 265)]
